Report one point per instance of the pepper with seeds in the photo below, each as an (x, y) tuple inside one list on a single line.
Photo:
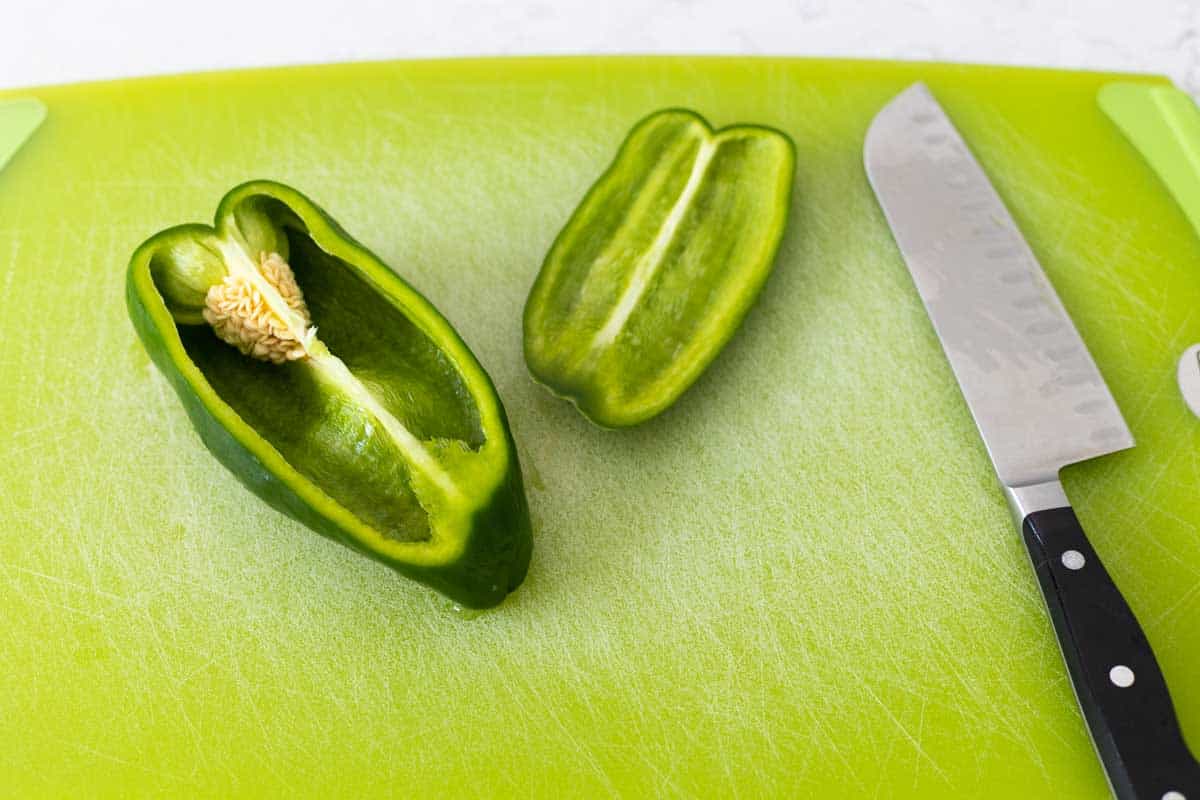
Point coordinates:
[(335, 391)]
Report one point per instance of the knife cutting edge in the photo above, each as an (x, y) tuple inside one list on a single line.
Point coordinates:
[(1040, 403)]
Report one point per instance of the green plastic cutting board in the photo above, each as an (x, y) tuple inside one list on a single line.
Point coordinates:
[(800, 581)]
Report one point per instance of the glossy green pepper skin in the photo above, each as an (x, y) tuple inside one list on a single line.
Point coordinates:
[(378, 428), (658, 265)]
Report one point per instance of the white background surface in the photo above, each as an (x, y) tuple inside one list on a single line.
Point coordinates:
[(56, 41)]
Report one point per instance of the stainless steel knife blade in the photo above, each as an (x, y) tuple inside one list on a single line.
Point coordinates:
[(1036, 395)]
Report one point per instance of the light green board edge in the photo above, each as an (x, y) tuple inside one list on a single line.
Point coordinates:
[(18, 120), (801, 581), (1163, 123)]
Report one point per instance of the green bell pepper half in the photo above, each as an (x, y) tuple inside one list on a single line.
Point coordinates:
[(658, 265), (375, 425)]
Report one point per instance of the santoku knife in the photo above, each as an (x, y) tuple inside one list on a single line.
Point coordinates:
[(1040, 404)]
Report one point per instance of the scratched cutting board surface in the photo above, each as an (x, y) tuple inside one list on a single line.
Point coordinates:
[(802, 579)]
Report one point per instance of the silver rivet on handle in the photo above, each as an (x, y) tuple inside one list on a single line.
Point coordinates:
[(1121, 676)]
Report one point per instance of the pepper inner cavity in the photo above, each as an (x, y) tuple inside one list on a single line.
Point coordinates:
[(260, 310)]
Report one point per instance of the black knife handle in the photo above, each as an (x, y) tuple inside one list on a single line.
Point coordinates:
[(1117, 680)]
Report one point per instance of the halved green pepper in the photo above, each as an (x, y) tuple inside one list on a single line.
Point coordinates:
[(335, 391), (658, 265)]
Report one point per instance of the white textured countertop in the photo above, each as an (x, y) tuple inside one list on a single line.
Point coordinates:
[(56, 41)]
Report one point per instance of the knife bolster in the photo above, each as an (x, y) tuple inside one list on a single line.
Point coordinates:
[(1025, 500)]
